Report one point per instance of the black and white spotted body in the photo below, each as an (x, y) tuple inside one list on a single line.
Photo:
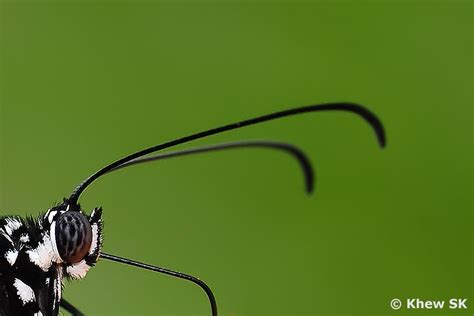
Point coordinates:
[(35, 257)]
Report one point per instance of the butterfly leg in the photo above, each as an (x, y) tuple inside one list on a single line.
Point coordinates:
[(70, 308), (176, 274)]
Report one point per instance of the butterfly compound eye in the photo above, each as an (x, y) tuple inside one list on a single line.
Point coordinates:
[(73, 236)]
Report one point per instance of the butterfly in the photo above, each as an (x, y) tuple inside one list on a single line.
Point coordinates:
[(37, 254)]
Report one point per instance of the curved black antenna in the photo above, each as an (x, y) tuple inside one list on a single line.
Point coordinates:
[(294, 151), (176, 274), (367, 115)]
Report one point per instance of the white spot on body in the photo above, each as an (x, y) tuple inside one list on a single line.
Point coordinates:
[(57, 287), (11, 256), (52, 233), (11, 225), (95, 236), (78, 270), (24, 238), (38, 314), (25, 293), (51, 216), (47, 213), (43, 255)]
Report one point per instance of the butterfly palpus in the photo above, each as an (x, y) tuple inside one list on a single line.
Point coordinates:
[(36, 254)]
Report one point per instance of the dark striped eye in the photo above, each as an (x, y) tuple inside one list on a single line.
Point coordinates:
[(73, 236)]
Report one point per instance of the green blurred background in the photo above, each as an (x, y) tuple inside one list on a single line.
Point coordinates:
[(85, 83)]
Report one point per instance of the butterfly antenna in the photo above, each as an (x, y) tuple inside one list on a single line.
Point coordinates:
[(176, 274), (359, 110), (292, 150)]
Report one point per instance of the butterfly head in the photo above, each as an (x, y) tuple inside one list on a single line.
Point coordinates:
[(75, 237)]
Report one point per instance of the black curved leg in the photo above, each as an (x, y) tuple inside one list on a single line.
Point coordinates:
[(70, 308)]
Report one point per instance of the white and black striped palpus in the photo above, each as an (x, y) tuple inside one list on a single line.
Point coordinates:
[(36, 254)]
